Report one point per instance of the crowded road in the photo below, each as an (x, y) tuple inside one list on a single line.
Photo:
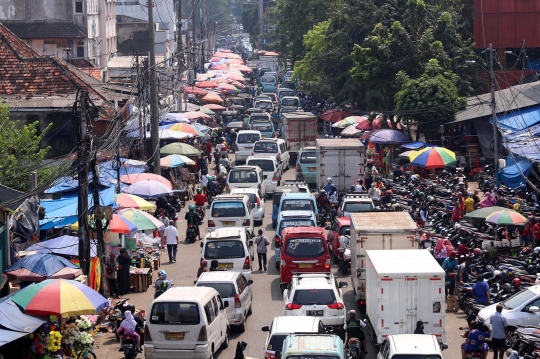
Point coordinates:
[(267, 296)]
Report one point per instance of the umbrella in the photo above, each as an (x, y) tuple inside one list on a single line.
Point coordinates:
[(271, 53), (164, 134), (172, 161), (141, 219), (194, 115), (212, 97), (39, 267), (351, 120), (186, 127), (227, 87), (215, 107), (363, 123), (235, 77), (125, 200), (242, 68), (416, 145), (235, 61), (207, 111), (482, 213), (350, 130), (195, 91), (365, 135), (65, 245), (506, 218), (389, 137), (60, 297), (136, 177), (120, 224), (432, 157), (179, 148), (206, 84), (334, 115), (148, 189), (406, 154), (219, 67)]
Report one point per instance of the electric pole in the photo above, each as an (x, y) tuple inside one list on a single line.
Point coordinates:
[(193, 32), (180, 51), (82, 170), (494, 116), (154, 115), (140, 104), (204, 31), (98, 221), (261, 17)]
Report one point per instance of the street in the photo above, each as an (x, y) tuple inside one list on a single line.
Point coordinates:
[(267, 297)]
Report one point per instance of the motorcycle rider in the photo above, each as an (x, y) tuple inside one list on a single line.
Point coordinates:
[(193, 218), (333, 194), (200, 198), (475, 341), (162, 278), (224, 161), (212, 186), (328, 185), (322, 200), (387, 198), (139, 329), (353, 327)]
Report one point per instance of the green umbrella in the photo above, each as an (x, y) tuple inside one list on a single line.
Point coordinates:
[(481, 214), (179, 148), (206, 111)]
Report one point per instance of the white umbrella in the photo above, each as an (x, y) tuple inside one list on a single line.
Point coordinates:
[(350, 130)]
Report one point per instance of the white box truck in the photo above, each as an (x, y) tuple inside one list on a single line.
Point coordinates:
[(340, 159), (404, 287), (377, 230), (299, 129)]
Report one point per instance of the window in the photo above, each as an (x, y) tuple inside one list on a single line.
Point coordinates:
[(276, 342), (314, 297), (224, 249), (266, 147), (216, 303), (295, 223), (308, 157), (228, 209), (354, 207), (305, 247), (79, 7), (384, 349), (267, 165), (518, 299), (535, 303), (290, 102), (248, 138), (226, 290), (297, 205), (80, 49), (244, 280), (334, 226), (262, 126), (209, 311), (345, 230), (282, 148), (175, 313), (243, 176)]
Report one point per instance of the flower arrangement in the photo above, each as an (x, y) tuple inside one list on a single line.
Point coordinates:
[(54, 342), (84, 323), (85, 339), (92, 318), (71, 333)]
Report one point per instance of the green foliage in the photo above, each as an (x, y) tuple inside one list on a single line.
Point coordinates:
[(250, 18), (20, 152)]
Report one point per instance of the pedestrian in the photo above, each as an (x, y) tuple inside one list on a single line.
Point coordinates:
[(536, 232), (450, 266), (469, 202), (124, 261), (165, 220), (426, 241), (480, 291), (463, 272), (525, 234), (368, 180), (419, 327), (517, 205), (440, 252), (475, 197), (499, 332), (112, 275), (501, 201), (203, 267), (262, 242), (171, 237), (208, 150)]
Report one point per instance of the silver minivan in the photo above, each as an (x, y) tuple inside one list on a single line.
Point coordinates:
[(245, 140), (233, 288)]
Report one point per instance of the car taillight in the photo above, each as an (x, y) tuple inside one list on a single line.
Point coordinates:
[(269, 355), (274, 178), (247, 264), (327, 263), (237, 303), (147, 336), (353, 341), (127, 338), (211, 223), (258, 201), (246, 222), (203, 337), (335, 306), (278, 241), (298, 168), (293, 306)]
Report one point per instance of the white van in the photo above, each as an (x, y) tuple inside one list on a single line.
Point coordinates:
[(271, 169), (231, 247), (228, 210), (246, 177), (244, 144), (186, 322), (233, 288), (275, 147), (418, 346)]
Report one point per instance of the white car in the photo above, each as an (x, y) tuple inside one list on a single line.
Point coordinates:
[(317, 295), (271, 169), (255, 199), (246, 177), (355, 203), (521, 309)]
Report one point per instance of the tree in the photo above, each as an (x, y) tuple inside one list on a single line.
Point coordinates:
[(20, 152), (429, 100)]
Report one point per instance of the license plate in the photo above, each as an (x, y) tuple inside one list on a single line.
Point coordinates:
[(129, 346), (228, 223), (305, 265), (225, 265), (312, 169), (249, 147), (175, 335), (263, 136), (315, 313)]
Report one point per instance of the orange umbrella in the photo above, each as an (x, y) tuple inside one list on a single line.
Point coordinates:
[(193, 115), (237, 84), (214, 107), (195, 91), (206, 84), (222, 80), (235, 61), (137, 177), (243, 68), (211, 97)]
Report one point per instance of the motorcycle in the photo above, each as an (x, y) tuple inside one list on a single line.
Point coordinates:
[(129, 346), (201, 212), (355, 348), (115, 318), (191, 235)]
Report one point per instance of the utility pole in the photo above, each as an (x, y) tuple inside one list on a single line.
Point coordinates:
[(154, 116), (494, 116), (82, 170), (180, 51), (261, 17), (193, 42), (98, 220), (142, 130)]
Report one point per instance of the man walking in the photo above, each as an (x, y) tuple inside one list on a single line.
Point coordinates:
[(261, 242), (499, 332), (112, 276), (171, 237)]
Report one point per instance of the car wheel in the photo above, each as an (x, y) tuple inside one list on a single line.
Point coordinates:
[(250, 311), (225, 343), (242, 327)]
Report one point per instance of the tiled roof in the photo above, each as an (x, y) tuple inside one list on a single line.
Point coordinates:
[(45, 29)]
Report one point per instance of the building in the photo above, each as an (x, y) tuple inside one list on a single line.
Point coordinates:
[(78, 29), (133, 37)]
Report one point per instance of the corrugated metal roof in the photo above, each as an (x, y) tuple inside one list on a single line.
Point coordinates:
[(60, 102)]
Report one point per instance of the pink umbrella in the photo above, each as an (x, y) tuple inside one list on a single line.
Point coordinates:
[(207, 84), (137, 177), (235, 77)]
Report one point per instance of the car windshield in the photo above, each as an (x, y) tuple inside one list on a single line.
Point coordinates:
[(357, 207), (276, 342), (262, 126), (308, 157), (264, 104), (314, 296), (248, 138), (228, 209), (345, 230), (268, 79), (259, 117), (313, 357), (290, 102), (223, 249), (266, 147), (518, 299), (243, 176), (295, 223), (289, 85), (225, 290), (305, 247), (285, 93), (175, 313), (265, 165), (297, 205)]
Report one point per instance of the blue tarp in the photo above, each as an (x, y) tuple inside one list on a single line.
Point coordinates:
[(63, 211), (65, 245), (14, 323), (416, 145), (519, 119), (526, 148), (511, 174)]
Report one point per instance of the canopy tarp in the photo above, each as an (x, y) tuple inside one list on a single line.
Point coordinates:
[(511, 175), (65, 245), (519, 119), (416, 145), (15, 324)]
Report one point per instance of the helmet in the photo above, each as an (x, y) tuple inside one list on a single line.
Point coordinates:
[(131, 308), (162, 274), (233, 131), (430, 198), (496, 273), (485, 253), (329, 180), (388, 192), (322, 192), (191, 207), (516, 283), (537, 250), (421, 194), (210, 178), (477, 251), (531, 269), (507, 287), (199, 190), (352, 313), (504, 275), (411, 186)]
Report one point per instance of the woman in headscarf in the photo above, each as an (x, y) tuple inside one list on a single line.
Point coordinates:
[(489, 201), (128, 326), (419, 327), (203, 268), (448, 245), (440, 251), (124, 261)]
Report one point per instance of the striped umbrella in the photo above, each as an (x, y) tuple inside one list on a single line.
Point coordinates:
[(506, 218), (173, 161), (432, 157), (185, 127), (126, 200), (141, 219)]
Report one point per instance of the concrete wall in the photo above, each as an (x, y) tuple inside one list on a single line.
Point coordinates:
[(134, 36)]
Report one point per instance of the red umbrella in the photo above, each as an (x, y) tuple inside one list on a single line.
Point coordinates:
[(207, 84), (366, 135), (195, 91), (335, 115), (363, 123)]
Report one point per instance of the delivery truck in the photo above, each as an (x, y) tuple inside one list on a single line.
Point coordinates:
[(404, 287), (377, 230), (340, 159), (299, 129)]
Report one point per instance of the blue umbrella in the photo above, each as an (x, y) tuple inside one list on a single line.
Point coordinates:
[(388, 137), (148, 189), (416, 145), (38, 267)]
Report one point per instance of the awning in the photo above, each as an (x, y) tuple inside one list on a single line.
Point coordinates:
[(65, 245), (511, 175), (14, 323), (519, 119), (416, 145)]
